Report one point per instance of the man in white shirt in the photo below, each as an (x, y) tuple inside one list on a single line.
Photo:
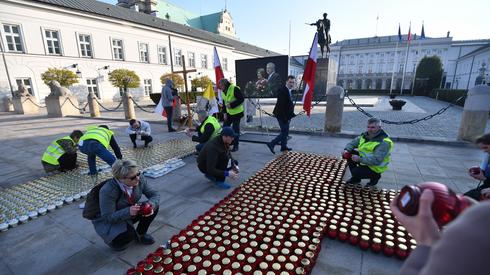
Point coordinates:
[(141, 128)]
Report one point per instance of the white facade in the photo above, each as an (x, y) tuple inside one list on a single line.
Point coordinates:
[(36, 37), (369, 63)]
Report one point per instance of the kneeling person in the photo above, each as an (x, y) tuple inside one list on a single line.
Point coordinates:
[(215, 159), (208, 129), (371, 153), (61, 154), (141, 128), (119, 208)]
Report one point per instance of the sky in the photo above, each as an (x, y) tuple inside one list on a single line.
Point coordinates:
[(266, 23)]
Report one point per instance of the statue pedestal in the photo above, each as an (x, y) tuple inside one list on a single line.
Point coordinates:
[(24, 105), (325, 77), (6, 105), (60, 106), (475, 113)]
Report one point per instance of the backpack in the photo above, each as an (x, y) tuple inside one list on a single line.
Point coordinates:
[(92, 207)]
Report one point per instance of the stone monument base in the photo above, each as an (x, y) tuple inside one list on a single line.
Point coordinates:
[(60, 106), (25, 105)]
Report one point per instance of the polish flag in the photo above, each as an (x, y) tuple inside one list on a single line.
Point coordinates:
[(219, 73), (409, 36), (309, 76)]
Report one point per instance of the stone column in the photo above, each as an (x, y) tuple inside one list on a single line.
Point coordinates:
[(383, 84), (60, 106), (334, 110), (363, 85), (92, 105), (25, 105), (475, 113), (128, 105)]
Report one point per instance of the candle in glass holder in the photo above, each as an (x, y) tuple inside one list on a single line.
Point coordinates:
[(364, 242), (401, 251), (389, 248)]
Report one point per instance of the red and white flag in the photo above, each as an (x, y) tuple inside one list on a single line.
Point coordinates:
[(309, 76), (409, 36), (218, 72)]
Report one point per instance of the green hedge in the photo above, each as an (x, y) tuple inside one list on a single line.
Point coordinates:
[(448, 95)]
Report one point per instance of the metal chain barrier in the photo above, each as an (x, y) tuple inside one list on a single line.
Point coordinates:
[(109, 110), (73, 104), (140, 107), (413, 121), (28, 98)]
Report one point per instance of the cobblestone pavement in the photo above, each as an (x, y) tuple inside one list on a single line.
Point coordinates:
[(62, 242)]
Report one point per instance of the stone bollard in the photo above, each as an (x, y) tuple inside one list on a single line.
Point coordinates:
[(475, 113), (7, 105), (26, 105), (128, 105), (334, 110), (92, 105), (177, 110), (60, 106)]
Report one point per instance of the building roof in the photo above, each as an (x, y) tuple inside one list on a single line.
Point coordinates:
[(383, 40), (177, 14), (210, 22), (120, 13)]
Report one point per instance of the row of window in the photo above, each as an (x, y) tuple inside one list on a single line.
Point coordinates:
[(13, 37)]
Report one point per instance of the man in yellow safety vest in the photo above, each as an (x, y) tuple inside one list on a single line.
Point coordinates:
[(371, 153), (95, 143), (232, 108), (208, 129), (61, 154)]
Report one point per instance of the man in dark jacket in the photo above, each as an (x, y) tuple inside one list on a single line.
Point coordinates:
[(284, 112), (371, 153), (214, 159), (232, 107)]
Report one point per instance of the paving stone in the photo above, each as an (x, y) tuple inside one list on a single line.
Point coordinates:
[(91, 259)]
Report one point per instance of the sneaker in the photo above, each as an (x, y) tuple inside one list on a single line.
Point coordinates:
[(223, 185), (271, 148), (172, 130), (286, 149), (353, 181), (146, 239)]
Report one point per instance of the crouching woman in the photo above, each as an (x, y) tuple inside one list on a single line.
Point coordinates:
[(120, 207)]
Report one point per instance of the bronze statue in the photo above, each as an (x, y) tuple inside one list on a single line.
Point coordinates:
[(323, 29)]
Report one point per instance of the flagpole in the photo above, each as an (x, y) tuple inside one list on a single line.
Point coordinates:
[(394, 63), (415, 69), (406, 60)]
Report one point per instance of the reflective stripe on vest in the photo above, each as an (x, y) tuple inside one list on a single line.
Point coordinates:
[(366, 149), (54, 151), (100, 134), (230, 97), (213, 121)]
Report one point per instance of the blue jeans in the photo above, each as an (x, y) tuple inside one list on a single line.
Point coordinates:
[(282, 138), (92, 148)]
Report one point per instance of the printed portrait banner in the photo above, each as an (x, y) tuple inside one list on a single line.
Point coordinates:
[(261, 77)]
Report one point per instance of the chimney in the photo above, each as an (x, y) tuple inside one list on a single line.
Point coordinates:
[(135, 7), (448, 32)]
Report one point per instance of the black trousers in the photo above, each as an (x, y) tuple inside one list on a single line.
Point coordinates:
[(147, 139), (170, 112), (234, 122), (362, 172), (68, 162), (131, 234), (476, 193)]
